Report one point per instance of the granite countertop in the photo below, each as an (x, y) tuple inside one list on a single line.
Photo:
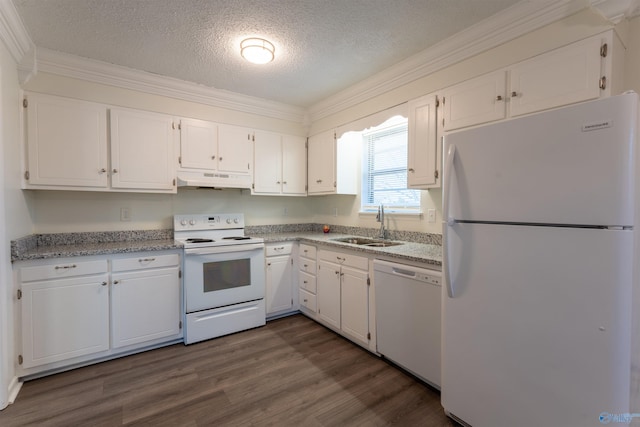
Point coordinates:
[(62, 245), (419, 252)]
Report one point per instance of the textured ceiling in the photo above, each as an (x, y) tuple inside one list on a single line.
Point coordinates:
[(322, 46)]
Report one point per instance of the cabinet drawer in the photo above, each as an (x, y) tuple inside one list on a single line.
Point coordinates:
[(68, 268), (308, 266), (145, 261), (347, 260), (308, 301), (307, 281), (308, 251), (278, 249)]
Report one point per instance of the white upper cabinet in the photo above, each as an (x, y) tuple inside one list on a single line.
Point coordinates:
[(267, 173), (294, 165), (235, 149), (424, 160), (332, 164), (280, 164), (68, 149), (560, 77), (479, 100), (198, 144), (67, 143), (574, 73), (142, 150)]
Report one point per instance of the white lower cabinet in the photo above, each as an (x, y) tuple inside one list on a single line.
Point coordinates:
[(75, 310), (307, 296), (343, 294), (279, 295), (65, 311), (328, 286), (145, 299)]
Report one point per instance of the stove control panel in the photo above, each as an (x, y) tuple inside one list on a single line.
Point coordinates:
[(208, 222)]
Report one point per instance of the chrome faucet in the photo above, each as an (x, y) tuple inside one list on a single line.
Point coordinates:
[(380, 219)]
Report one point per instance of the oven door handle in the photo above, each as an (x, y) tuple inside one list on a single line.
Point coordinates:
[(224, 249)]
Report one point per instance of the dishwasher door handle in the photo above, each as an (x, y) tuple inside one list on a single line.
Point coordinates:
[(403, 272)]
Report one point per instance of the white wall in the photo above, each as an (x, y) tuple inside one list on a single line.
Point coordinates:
[(15, 218)]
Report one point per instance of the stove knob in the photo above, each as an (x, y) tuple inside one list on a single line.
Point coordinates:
[(183, 222), (228, 220), (192, 222)]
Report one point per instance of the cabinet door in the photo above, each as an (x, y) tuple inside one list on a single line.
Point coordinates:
[(322, 163), (235, 149), (423, 170), (355, 304), (66, 142), (63, 319), (328, 293), (267, 170), (141, 150), (145, 305), (279, 292), (560, 77), (294, 165), (475, 101), (198, 144)]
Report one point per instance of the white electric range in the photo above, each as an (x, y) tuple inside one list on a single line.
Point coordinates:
[(224, 275)]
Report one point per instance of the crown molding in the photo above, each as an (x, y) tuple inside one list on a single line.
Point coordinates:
[(616, 10), (507, 25), (63, 64), (15, 37)]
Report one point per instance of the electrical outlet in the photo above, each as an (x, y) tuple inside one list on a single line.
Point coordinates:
[(125, 214), (431, 215), (335, 211), (285, 212)]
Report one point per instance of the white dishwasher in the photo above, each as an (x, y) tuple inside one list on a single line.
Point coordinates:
[(408, 303)]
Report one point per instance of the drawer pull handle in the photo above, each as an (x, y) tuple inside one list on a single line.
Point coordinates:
[(281, 248), (341, 259), (306, 265), (64, 267), (146, 259), (304, 281)]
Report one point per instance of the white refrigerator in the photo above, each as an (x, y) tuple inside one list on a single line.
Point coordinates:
[(540, 269)]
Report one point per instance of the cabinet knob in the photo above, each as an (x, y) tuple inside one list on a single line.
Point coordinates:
[(277, 182), (305, 300), (220, 159), (115, 171), (411, 170), (284, 182), (115, 282), (213, 157), (514, 94), (269, 264), (318, 181), (499, 98), (104, 283), (103, 170)]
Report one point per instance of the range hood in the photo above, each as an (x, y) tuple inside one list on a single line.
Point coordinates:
[(211, 179)]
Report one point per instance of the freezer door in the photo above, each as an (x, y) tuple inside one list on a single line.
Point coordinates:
[(568, 166), (539, 330)]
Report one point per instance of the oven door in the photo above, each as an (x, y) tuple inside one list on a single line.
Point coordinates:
[(220, 276)]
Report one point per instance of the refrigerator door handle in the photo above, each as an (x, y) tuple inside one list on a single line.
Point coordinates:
[(449, 222)]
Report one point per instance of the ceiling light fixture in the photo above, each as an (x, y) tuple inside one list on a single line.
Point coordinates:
[(258, 51)]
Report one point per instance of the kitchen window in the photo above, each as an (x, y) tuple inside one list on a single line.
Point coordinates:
[(384, 169)]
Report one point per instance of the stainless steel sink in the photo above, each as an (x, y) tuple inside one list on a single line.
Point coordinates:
[(363, 241)]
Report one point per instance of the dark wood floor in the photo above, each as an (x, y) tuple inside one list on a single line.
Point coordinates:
[(292, 372)]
